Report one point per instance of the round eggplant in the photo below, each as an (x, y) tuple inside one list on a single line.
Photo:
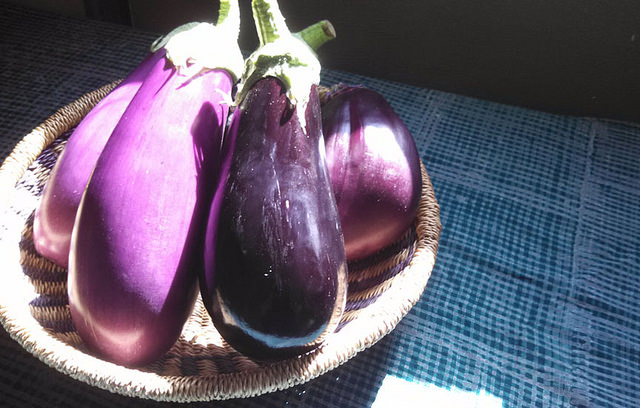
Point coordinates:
[(374, 169)]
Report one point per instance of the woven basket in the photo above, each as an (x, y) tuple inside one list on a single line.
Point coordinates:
[(201, 366)]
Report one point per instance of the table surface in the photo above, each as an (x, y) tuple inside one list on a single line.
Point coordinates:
[(534, 300)]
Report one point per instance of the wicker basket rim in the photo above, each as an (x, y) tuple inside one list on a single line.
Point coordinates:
[(338, 348)]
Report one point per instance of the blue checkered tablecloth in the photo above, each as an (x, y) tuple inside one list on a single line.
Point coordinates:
[(535, 297)]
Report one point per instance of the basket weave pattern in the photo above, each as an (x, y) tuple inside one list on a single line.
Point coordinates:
[(200, 366)]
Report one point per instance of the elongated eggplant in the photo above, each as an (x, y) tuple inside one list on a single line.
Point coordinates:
[(56, 213), (275, 267), (137, 241), (374, 168)]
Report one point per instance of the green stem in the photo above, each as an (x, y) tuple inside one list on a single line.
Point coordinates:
[(229, 15), (223, 12), (284, 55), (228, 20), (317, 34), (269, 21)]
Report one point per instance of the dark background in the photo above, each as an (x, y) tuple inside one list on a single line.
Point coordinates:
[(579, 57)]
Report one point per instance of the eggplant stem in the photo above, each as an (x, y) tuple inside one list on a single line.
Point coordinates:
[(269, 20), (223, 12), (317, 34), (229, 17), (283, 55)]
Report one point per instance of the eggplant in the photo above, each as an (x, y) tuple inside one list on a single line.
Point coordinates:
[(275, 266), (137, 241), (374, 169), (54, 217)]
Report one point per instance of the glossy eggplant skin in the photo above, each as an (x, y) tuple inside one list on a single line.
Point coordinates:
[(54, 217), (374, 168), (275, 267), (137, 243)]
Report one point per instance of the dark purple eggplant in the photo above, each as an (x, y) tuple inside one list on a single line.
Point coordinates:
[(137, 242), (56, 213), (374, 168), (275, 267)]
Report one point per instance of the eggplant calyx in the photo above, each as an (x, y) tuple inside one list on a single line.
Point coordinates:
[(328, 94), (162, 40), (291, 61), (282, 55), (196, 47)]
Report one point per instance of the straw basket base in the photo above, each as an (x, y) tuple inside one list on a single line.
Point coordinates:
[(200, 366)]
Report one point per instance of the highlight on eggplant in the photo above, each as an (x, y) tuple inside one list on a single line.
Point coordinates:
[(374, 168), (275, 271), (137, 241)]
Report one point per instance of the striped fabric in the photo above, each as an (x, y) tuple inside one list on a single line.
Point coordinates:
[(535, 298)]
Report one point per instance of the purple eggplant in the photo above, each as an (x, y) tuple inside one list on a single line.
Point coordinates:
[(374, 168), (56, 213), (137, 242), (275, 266)]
